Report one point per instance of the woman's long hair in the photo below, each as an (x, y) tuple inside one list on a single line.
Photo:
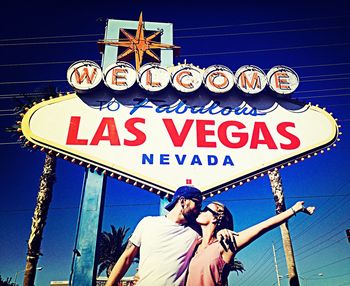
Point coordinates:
[(224, 217)]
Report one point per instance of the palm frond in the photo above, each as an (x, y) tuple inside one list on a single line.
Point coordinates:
[(111, 245), (237, 266)]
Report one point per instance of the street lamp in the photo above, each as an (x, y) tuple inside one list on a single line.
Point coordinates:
[(310, 277), (280, 277), (38, 268)]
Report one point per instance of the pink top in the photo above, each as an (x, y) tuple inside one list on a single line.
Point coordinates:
[(206, 267)]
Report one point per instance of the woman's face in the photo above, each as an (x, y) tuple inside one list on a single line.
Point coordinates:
[(207, 215)]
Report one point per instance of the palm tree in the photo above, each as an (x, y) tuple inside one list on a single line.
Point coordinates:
[(278, 195), (7, 282), (237, 266), (110, 247), (44, 197)]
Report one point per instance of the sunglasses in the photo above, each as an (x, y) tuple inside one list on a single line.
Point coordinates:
[(206, 209), (197, 203)]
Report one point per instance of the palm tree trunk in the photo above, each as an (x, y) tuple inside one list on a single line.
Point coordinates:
[(277, 190), (47, 180)]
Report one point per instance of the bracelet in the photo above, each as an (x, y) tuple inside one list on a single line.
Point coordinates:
[(294, 213)]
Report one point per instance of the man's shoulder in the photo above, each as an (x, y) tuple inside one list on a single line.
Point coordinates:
[(150, 219)]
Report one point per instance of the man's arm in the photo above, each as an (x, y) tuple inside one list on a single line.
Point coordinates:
[(123, 264)]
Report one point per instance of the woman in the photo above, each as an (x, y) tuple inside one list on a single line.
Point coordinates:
[(210, 263)]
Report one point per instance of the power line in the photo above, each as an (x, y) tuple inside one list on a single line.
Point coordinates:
[(313, 223), (266, 275), (295, 20), (50, 37), (266, 50), (47, 43), (6, 110), (324, 96), (329, 210), (32, 81), (175, 37), (182, 29), (99, 60), (64, 80), (319, 65), (340, 105), (22, 95), (258, 262), (325, 79), (323, 266), (264, 270), (9, 114), (261, 32), (9, 143), (39, 63), (149, 204), (325, 75), (322, 237), (324, 248), (332, 277), (15, 94), (345, 284), (321, 90)]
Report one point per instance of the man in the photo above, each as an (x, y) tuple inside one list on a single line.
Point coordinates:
[(165, 243)]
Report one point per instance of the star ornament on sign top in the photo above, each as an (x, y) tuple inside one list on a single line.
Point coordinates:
[(138, 44)]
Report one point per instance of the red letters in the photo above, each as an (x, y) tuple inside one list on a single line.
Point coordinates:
[(112, 136), (260, 127), (294, 141), (140, 136), (231, 134), (202, 133), (72, 137), (222, 132), (254, 83), (89, 78), (118, 74), (149, 80), (177, 138)]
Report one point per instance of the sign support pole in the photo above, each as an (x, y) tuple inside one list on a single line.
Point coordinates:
[(92, 201), (89, 226)]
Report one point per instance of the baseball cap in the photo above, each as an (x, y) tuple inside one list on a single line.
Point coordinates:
[(188, 192)]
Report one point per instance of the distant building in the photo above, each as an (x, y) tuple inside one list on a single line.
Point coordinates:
[(101, 281)]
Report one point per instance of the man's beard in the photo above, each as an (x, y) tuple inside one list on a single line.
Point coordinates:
[(190, 217)]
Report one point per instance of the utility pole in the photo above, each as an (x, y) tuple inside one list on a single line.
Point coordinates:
[(276, 266), (278, 195)]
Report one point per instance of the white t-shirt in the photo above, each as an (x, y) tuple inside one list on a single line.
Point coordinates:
[(165, 251)]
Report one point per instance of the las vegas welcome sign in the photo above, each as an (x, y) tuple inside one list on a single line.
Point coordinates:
[(160, 127)]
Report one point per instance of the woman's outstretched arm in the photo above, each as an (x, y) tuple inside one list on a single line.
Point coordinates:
[(247, 236)]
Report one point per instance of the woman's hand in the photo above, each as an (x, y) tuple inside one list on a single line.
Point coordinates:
[(299, 207), (227, 239), (226, 235)]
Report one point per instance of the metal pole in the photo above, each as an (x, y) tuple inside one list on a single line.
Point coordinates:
[(89, 227), (276, 266), (14, 282)]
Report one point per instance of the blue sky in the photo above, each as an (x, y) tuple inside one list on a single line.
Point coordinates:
[(312, 38)]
